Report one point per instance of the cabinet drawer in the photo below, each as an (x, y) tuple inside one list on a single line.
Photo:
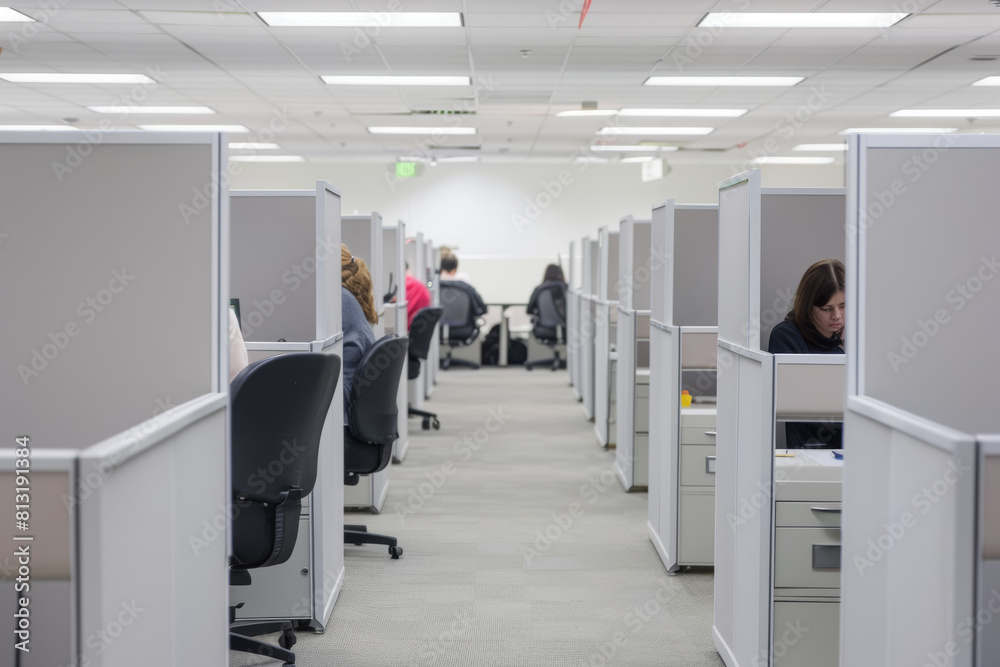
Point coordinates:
[(698, 465), (698, 435), (807, 515), (796, 646), (696, 529), (797, 550)]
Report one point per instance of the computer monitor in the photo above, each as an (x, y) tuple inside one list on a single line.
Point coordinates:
[(235, 305)]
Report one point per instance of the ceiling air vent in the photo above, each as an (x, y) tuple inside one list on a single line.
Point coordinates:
[(442, 112)]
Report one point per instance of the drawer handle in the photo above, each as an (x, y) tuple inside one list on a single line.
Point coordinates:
[(709, 465), (829, 510), (826, 556), (712, 433)]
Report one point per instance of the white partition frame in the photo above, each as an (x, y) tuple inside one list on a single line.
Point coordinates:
[(605, 317), (394, 263), (111, 487), (305, 226), (669, 330), (585, 324), (416, 256), (572, 328), (363, 235), (431, 261), (634, 265), (923, 598), (746, 418)]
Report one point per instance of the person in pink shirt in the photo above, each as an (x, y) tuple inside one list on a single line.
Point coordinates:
[(417, 296)]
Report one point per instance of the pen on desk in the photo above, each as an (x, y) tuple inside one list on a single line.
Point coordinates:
[(785, 453)]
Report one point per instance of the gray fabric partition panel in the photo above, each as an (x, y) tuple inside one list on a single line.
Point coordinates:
[(92, 298), (735, 211), (272, 259), (795, 232), (661, 244), (932, 294), (642, 241), (696, 267)]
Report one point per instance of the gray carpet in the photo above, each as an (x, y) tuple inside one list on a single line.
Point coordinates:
[(520, 548)]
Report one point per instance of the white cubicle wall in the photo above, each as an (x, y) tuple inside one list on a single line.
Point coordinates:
[(921, 508), (683, 337), (113, 281), (363, 235), (396, 318), (416, 257), (585, 323), (284, 267), (605, 318), (768, 237), (572, 328), (433, 279), (632, 366)]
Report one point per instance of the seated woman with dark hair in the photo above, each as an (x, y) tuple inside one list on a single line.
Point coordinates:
[(815, 325), (358, 311), (554, 284)]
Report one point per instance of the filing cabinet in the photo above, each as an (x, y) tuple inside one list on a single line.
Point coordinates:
[(696, 494)]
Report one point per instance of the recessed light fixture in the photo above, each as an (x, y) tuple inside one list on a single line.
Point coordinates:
[(362, 19), (655, 131), (639, 158), (251, 145), (234, 129), (142, 109), (801, 20), (422, 130), (722, 80), (946, 113), (609, 148), (266, 158), (61, 77), (581, 159), (899, 130), (459, 158), (988, 81), (793, 160), (35, 128), (391, 80), (821, 147), (683, 113), (587, 112), (8, 15)]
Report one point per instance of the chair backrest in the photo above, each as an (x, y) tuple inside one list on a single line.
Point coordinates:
[(372, 408), (462, 305), (279, 406), (422, 331), (551, 311)]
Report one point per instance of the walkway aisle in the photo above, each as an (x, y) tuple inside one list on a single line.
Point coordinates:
[(520, 547)]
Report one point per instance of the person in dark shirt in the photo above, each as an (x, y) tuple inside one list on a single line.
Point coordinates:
[(815, 325), (358, 313)]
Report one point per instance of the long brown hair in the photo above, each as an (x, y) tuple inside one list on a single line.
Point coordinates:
[(818, 285), (354, 275)]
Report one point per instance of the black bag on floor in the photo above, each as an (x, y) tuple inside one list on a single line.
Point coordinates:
[(517, 351)]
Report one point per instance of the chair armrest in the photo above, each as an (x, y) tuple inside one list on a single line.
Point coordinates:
[(286, 525)]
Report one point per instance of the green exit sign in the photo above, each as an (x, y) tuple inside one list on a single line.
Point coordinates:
[(406, 169)]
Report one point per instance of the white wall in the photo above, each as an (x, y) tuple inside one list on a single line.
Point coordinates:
[(494, 212)]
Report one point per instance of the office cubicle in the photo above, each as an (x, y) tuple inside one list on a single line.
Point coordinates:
[(284, 267), (572, 327), (416, 257), (588, 326), (113, 283), (363, 235), (772, 557), (605, 317), (921, 506), (431, 268), (632, 367), (394, 280), (683, 341)]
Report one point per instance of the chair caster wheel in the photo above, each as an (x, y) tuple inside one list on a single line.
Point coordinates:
[(426, 425), (395, 552), (528, 367), (436, 424), (287, 639)]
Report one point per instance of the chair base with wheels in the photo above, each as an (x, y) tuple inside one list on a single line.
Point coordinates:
[(449, 361), (357, 535), (429, 418), (241, 636), (556, 362)]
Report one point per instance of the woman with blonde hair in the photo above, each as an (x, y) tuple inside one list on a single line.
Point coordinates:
[(358, 313)]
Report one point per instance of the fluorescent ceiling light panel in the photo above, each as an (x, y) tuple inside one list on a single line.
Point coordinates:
[(793, 160), (390, 80), (587, 112), (683, 113), (235, 129), (35, 128), (946, 113), (899, 130), (655, 131), (722, 80), (988, 81), (8, 15), (163, 110), (639, 158), (243, 145), (362, 19), (459, 158), (581, 159), (422, 130), (631, 148), (266, 158), (821, 147), (61, 77), (801, 20)]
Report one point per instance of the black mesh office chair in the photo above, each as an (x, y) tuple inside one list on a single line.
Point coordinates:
[(461, 321), (548, 315), (421, 333), (371, 424), (278, 405)]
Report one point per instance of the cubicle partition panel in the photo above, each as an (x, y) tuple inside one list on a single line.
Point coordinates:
[(363, 235), (921, 474), (417, 258), (396, 319), (571, 310), (285, 270), (584, 341), (606, 316), (434, 285), (104, 259)]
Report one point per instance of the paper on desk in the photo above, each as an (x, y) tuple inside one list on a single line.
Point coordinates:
[(824, 457)]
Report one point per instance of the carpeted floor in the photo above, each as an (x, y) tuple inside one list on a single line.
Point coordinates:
[(520, 548)]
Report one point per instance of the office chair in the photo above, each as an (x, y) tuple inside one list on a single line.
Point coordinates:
[(421, 333), (550, 323), (278, 404), (371, 424), (461, 321)]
